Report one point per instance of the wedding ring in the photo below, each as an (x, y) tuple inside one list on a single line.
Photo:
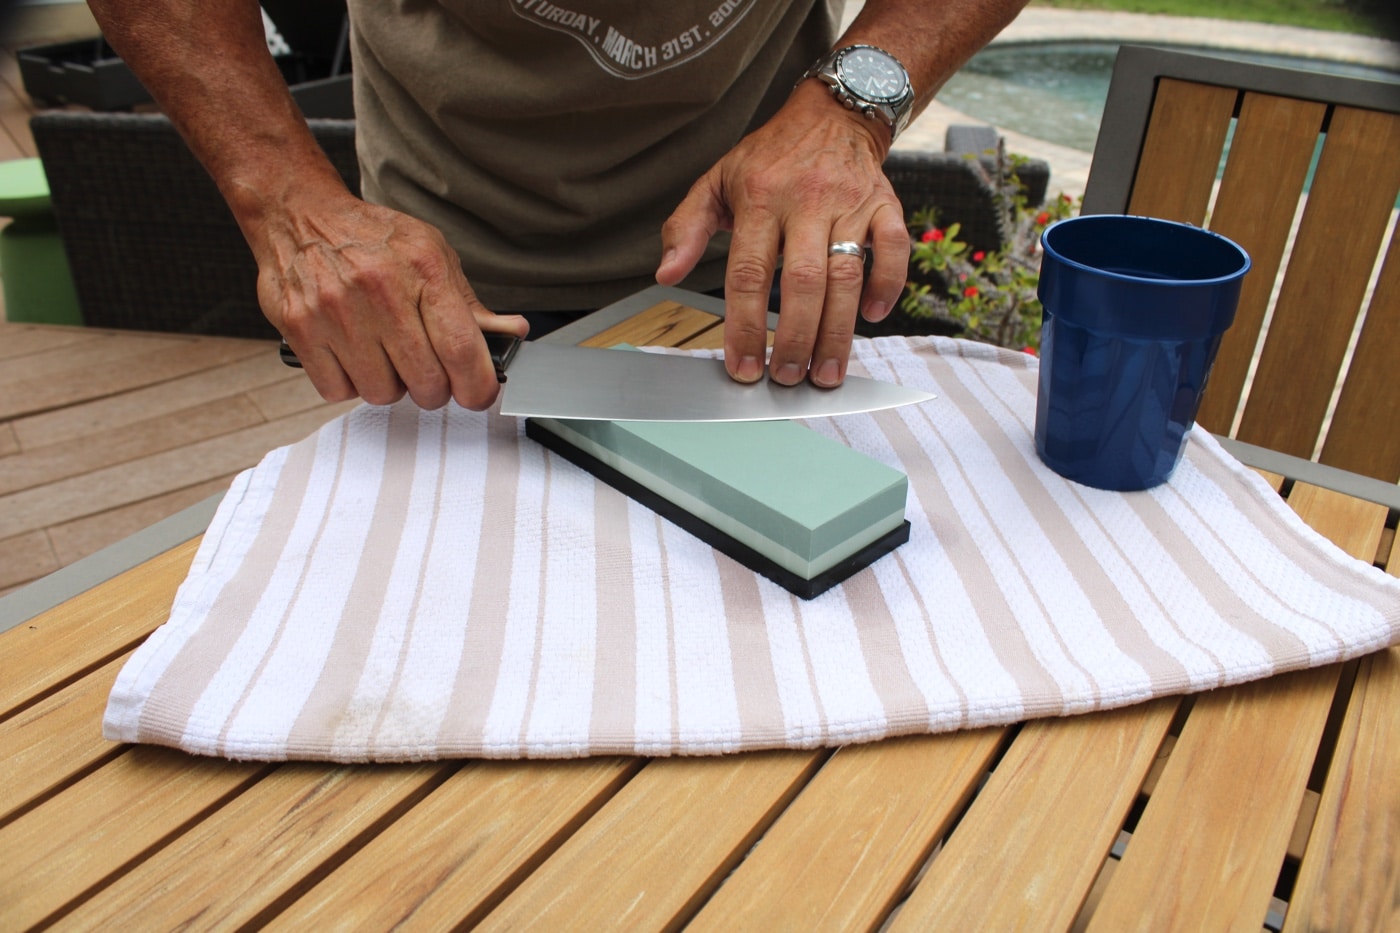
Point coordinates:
[(846, 248)]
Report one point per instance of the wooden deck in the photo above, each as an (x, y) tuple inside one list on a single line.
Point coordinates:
[(104, 432)]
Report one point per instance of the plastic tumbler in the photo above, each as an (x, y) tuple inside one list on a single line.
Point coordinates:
[(1134, 311)]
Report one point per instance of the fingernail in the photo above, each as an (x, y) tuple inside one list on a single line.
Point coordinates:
[(789, 374), (877, 311), (750, 369), (667, 256), (828, 374)]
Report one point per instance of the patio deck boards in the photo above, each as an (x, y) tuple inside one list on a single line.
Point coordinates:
[(105, 432)]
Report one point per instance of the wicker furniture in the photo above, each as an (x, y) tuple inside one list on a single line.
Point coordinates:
[(151, 243)]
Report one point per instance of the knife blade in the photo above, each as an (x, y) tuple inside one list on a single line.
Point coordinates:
[(543, 380)]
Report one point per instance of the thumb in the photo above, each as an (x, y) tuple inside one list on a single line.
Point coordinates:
[(685, 234)]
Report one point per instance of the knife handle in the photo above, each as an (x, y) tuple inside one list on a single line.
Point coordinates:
[(501, 346)]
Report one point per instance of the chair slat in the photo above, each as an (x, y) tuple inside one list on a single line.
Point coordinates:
[(256, 849), (1254, 747), (1181, 153), (649, 857), (1371, 394), (1340, 234), (445, 862), (813, 870), (1270, 152), (1350, 875), (1065, 786)]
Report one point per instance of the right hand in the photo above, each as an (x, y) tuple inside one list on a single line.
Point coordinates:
[(375, 305)]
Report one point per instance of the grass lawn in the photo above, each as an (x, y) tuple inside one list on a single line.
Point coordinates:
[(1314, 14)]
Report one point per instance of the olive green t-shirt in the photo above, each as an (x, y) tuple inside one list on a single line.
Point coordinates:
[(550, 141)]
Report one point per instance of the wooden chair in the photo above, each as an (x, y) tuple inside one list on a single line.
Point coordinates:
[(1170, 120)]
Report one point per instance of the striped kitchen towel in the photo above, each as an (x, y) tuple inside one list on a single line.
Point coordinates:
[(407, 584)]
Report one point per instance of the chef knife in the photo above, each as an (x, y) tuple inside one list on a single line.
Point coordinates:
[(543, 380)]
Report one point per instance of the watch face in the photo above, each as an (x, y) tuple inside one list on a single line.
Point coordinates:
[(872, 74)]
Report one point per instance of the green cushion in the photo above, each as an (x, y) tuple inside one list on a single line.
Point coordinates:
[(24, 189)]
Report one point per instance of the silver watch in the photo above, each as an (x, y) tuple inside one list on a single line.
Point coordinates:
[(870, 81)]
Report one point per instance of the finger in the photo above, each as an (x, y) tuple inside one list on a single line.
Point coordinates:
[(688, 230), (845, 280), (450, 315), (375, 378), (804, 289), (492, 323), (325, 372), (748, 278), (889, 268)]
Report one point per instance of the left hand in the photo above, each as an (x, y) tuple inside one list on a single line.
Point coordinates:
[(808, 178)]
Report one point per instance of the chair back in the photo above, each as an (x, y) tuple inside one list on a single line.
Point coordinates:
[(149, 239), (1311, 174)]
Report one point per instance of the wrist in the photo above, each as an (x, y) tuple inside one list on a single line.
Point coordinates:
[(817, 104)]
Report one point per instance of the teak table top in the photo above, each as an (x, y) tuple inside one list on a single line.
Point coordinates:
[(1270, 805)]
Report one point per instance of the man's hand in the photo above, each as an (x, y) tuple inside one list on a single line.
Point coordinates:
[(808, 178), (375, 304)]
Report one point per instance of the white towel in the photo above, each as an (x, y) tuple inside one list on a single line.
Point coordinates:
[(407, 584)]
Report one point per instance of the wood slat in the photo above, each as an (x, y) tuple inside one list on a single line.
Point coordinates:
[(666, 324), (1358, 438), (111, 366), (104, 449), (848, 847), (456, 854), (1270, 152), (23, 339), (89, 629), (135, 406), (81, 537), (115, 486), (652, 855), (1254, 747), (9, 443), (1064, 786), (26, 557), (77, 840), (48, 744), (1350, 877), (1181, 153), (1339, 237), (259, 849)]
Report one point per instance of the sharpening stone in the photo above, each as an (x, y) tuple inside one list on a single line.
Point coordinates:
[(799, 508)]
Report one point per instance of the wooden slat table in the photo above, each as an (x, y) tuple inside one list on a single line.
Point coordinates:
[(1269, 805)]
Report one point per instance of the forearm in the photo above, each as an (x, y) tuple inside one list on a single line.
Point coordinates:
[(207, 65), (931, 40)]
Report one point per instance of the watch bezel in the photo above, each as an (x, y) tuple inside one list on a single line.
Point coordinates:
[(850, 51)]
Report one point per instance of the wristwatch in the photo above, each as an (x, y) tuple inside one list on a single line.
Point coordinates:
[(870, 81)]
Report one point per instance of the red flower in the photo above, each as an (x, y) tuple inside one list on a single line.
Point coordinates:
[(1066, 198), (932, 236), (1030, 351), (970, 291), (1042, 218), (979, 256)]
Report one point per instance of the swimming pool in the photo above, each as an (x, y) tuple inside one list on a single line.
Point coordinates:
[(1055, 91)]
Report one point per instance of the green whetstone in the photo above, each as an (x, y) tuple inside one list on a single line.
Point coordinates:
[(798, 507)]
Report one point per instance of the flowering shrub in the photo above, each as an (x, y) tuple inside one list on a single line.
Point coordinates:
[(991, 294)]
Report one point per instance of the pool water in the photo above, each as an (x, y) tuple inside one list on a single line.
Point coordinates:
[(1055, 91)]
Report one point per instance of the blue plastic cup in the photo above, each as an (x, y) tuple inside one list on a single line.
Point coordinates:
[(1134, 311)]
